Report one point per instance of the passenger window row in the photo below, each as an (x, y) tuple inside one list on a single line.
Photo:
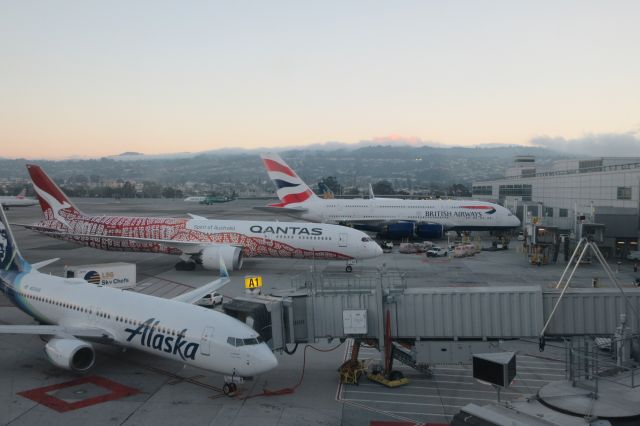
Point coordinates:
[(100, 314)]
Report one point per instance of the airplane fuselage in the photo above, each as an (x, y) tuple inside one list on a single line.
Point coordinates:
[(179, 331), (451, 214), (257, 238)]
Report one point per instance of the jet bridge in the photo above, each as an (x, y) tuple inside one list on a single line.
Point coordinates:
[(431, 325)]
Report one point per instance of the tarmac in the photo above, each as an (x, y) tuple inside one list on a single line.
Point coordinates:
[(133, 388)]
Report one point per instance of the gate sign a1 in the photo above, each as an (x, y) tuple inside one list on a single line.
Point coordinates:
[(496, 368), (252, 282)]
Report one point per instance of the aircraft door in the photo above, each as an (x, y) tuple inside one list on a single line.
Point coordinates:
[(342, 239), (205, 341)]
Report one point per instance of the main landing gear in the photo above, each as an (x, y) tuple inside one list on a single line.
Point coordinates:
[(185, 266)]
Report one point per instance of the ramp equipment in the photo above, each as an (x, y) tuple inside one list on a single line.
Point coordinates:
[(388, 376)]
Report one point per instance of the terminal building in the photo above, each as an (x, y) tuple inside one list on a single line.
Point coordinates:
[(602, 190)]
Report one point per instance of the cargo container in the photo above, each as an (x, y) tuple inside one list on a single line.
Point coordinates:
[(117, 275)]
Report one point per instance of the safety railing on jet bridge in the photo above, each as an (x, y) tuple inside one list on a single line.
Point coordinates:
[(589, 362), (327, 281)]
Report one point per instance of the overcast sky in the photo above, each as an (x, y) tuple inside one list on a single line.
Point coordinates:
[(89, 78)]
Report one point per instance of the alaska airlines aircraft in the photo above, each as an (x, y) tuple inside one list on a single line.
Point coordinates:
[(197, 240), (73, 312), (19, 200), (394, 217)]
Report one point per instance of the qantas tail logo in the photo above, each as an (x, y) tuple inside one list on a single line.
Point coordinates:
[(52, 200), (289, 187)]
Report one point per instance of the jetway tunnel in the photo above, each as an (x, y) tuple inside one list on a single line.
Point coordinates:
[(435, 325)]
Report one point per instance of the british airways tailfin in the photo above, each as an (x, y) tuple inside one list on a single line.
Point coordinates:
[(54, 203), (289, 187)]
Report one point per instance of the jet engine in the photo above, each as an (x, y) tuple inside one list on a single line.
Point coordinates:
[(398, 230), (430, 230), (70, 354), (231, 256)]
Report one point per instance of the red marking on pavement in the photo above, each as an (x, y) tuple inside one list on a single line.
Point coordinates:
[(41, 395)]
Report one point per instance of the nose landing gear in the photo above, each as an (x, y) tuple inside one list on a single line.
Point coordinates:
[(350, 264), (229, 388)]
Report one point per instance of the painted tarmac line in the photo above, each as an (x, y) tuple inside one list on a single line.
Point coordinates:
[(424, 414), (405, 403), (414, 395), (439, 388)]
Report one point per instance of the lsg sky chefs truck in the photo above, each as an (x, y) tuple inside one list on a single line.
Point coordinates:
[(117, 275)]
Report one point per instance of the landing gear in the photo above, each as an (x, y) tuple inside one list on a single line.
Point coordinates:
[(185, 266), (350, 264), (230, 384), (229, 388)]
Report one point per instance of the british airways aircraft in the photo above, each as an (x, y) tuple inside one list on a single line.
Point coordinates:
[(197, 240), (73, 313), (394, 217), (20, 200)]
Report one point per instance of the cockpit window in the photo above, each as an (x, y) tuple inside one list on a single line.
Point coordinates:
[(366, 239), (235, 341)]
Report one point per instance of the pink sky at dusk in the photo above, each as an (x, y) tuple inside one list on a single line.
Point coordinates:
[(90, 79)]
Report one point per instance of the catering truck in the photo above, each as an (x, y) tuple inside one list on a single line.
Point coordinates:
[(117, 275)]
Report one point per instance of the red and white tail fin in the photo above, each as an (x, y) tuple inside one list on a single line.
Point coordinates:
[(289, 187), (54, 203), (22, 194)]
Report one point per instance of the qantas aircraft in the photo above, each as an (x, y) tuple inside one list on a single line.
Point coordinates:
[(393, 217), (17, 200), (197, 240), (73, 312)]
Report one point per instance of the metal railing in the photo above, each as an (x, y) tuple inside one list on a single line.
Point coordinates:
[(587, 364)]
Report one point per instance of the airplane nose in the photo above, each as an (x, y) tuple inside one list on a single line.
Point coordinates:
[(377, 250), (266, 360)]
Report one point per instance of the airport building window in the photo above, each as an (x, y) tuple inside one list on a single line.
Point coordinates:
[(624, 193), (548, 212), (482, 190), (515, 190), (563, 212)]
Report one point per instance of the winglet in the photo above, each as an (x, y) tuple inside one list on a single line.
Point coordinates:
[(44, 263), (195, 216), (223, 269)]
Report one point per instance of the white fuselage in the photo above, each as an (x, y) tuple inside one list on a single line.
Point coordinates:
[(256, 238), (171, 329), (16, 201), (451, 214)]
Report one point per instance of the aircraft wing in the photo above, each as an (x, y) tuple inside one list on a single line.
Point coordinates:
[(186, 247), (198, 293), (56, 330), (293, 211)]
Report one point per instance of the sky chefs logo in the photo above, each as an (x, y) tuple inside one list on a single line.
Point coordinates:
[(285, 230), (92, 277), (152, 338), (107, 278)]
